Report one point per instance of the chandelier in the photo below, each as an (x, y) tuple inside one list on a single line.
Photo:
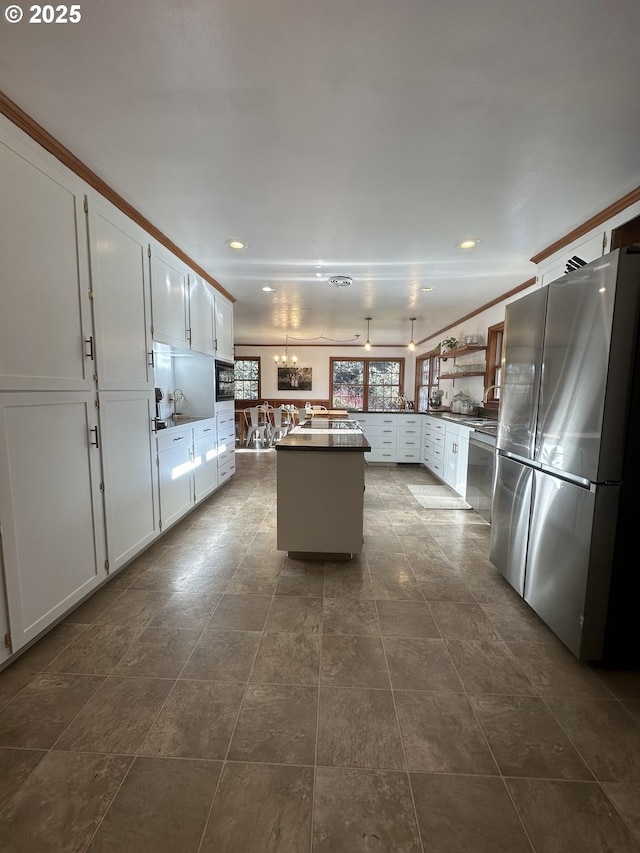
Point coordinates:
[(286, 360)]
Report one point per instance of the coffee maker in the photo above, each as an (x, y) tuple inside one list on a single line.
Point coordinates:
[(160, 424)]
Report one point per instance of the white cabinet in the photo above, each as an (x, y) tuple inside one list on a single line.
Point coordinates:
[(174, 474), (201, 315), (129, 473), (410, 438), (434, 445), (45, 310), (169, 298), (456, 456), (52, 519), (381, 431), (205, 459), (5, 648), (226, 438), (121, 300), (223, 327)]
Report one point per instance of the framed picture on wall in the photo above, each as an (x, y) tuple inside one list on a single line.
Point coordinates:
[(294, 378)]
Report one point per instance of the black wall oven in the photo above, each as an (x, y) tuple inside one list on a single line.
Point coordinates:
[(225, 381)]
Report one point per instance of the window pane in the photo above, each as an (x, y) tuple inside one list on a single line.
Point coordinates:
[(247, 377), (348, 397)]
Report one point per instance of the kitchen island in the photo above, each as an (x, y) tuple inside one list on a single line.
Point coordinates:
[(320, 489)]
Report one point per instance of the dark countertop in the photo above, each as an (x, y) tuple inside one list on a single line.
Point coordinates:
[(317, 437)]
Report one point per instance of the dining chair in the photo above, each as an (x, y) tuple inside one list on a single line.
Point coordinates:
[(302, 415), (257, 427), (280, 426), (319, 409)]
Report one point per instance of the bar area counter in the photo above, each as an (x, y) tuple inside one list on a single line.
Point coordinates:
[(320, 489)]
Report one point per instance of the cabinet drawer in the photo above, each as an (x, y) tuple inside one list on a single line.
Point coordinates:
[(409, 456), (377, 420), (227, 470), (381, 441), (225, 454), (380, 429), (227, 433), (204, 428), (171, 438), (410, 421), (226, 419), (378, 454)]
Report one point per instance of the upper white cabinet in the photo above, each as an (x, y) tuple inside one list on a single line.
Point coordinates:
[(52, 520), (223, 327), (121, 300), (45, 310), (201, 318), (169, 298)]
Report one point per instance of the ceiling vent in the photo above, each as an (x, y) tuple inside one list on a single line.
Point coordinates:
[(340, 281)]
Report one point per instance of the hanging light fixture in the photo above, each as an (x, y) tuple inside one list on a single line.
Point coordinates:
[(285, 360), (367, 344), (411, 345)]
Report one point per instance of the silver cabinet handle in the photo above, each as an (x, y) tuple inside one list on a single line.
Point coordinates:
[(151, 362), (89, 343), (96, 442), (179, 438)]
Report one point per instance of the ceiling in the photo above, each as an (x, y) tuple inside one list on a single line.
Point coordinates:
[(363, 138)]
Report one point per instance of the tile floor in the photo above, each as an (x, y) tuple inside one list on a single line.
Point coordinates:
[(217, 696)]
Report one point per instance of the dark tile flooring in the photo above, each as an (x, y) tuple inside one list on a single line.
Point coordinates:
[(217, 696)]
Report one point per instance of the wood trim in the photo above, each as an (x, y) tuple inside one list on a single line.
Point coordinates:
[(16, 115), (599, 219), (528, 283)]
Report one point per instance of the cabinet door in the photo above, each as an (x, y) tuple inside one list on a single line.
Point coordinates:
[(224, 327), (460, 483), (121, 300), (174, 473), (205, 463), (129, 473), (169, 295), (450, 471), (45, 311), (50, 501), (5, 649), (201, 319)]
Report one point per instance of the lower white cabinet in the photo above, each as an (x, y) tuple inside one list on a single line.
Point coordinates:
[(174, 474), (226, 436), (52, 513), (409, 438), (381, 431), (433, 443), (456, 455), (129, 473), (205, 459)]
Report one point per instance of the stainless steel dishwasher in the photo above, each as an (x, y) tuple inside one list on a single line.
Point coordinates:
[(480, 471)]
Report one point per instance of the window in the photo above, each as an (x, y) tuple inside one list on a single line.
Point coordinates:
[(427, 378), (247, 377), (493, 376), (369, 384)]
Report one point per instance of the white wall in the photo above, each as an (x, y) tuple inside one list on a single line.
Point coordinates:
[(317, 358)]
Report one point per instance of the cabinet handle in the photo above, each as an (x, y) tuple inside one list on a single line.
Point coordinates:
[(89, 343), (208, 429), (95, 443), (151, 362), (179, 438)]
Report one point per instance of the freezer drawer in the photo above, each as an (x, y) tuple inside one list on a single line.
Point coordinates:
[(569, 560), (510, 509)]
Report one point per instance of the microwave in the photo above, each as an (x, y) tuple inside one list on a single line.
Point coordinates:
[(225, 381)]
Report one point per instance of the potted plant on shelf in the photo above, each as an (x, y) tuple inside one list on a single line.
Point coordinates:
[(448, 344)]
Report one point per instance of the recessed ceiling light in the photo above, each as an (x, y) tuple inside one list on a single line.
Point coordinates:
[(469, 244), (340, 281), (426, 289), (318, 275), (236, 244), (268, 289)]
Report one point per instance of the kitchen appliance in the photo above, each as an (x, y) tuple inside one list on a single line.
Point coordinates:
[(480, 471), (160, 424), (568, 465), (435, 398), (225, 381)]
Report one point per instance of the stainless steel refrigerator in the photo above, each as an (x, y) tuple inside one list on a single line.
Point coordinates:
[(564, 527)]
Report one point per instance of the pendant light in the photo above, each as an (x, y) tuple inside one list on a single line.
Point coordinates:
[(285, 360), (367, 345), (411, 345)]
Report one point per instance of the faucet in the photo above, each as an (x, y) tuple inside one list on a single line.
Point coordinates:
[(486, 393), (178, 399)]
